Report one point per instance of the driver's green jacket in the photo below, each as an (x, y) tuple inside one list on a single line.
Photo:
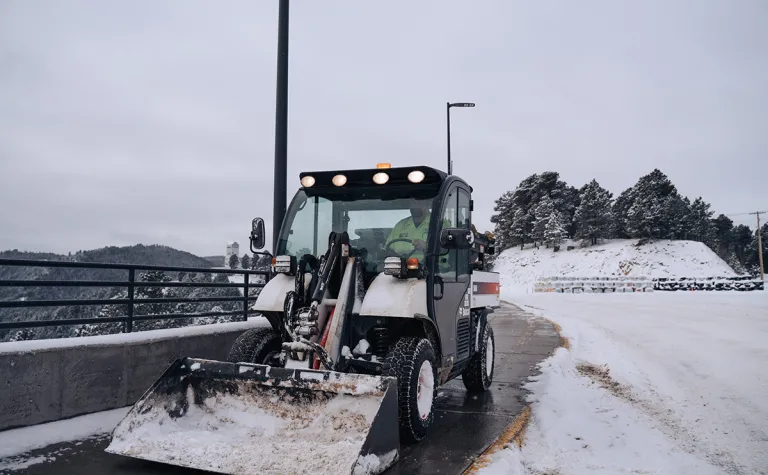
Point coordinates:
[(406, 229)]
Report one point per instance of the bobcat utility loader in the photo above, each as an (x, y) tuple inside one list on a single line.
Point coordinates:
[(377, 296)]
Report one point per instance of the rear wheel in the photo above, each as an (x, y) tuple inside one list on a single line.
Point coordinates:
[(412, 361), (478, 375), (257, 345)]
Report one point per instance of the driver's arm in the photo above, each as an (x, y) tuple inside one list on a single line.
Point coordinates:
[(395, 233)]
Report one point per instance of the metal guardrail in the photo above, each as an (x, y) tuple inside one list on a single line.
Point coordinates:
[(130, 284)]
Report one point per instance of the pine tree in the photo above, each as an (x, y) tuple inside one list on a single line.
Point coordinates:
[(677, 214), (519, 228), (23, 335), (555, 232), (619, 227), (646, 217), (502, 219), (245, 261), (264, 263), (741, 238), (752, 259), (702, 229), (541, 218), (723, 227), (594, 216), (233, 261)]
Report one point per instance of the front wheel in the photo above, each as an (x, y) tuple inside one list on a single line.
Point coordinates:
[(257, 345), (412, 361), (478, 375)]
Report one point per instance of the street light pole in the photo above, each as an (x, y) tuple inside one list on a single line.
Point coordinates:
[(281, 124), (448, 122), (448, 106)]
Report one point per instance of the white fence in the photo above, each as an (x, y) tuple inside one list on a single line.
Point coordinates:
[(644, 284)]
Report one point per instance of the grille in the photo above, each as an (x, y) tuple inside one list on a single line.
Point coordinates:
[(463, 338)]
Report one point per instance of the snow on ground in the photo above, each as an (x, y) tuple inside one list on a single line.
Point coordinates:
[(668, 383), (521, 269), (15, 442)]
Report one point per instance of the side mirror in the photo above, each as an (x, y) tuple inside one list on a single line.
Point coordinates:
[(257, 234), (457, 238)]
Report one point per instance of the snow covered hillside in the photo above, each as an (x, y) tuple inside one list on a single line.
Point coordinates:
[(663, 383), (521, 269)]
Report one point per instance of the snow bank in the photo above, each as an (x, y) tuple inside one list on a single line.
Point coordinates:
[(676, 385), (521, 269), (31, 346), (18, 441)]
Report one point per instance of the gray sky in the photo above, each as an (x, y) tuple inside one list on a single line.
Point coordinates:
[(152, 122)]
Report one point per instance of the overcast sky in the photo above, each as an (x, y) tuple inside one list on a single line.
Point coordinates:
[(125, 122)]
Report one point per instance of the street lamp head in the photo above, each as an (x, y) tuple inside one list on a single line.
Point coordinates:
[(462, 104)]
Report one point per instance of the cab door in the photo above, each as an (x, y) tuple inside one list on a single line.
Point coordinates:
[(450, 279)]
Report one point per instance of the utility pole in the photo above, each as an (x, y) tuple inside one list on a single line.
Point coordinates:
[(760, 243), (281, 124)]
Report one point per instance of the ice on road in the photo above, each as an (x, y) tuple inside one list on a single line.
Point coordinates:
[(652, 383)]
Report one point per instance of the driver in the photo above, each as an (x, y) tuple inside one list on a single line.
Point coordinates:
[(414, 228)]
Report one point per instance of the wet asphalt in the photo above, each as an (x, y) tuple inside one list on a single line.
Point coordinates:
[(465, 424)]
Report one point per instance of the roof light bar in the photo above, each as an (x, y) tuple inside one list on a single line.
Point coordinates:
[(380, 178), (416, 176), (307, 181), (339, 180)]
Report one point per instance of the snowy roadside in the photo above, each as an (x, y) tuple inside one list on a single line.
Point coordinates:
[(659, 383), (15, 443)]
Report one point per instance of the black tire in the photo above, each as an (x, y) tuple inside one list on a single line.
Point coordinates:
[(476, 376), (404, 361), (256, 345)]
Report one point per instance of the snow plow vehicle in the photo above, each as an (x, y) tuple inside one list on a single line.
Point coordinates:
[(378, 295)]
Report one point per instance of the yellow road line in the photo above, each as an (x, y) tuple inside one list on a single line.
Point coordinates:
[(512, 434)]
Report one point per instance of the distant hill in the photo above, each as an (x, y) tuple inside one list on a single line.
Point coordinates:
[(520, 269), (216, 261), (138, 254)]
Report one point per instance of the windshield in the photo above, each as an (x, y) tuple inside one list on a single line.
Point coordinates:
[(369, 223)]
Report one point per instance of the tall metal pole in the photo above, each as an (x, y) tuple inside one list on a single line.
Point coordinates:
[(760, 243), (281, 124), (448, 122)]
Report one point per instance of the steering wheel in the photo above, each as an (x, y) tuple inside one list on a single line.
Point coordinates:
[(387, 248)]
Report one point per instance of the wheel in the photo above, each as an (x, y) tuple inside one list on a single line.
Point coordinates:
[(257, 345), (412, 361), (478, 375)]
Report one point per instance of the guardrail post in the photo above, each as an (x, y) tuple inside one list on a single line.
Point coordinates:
[(131, 280), (245, 297)]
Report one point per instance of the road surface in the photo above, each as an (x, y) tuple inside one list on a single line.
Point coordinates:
[(465, 424)]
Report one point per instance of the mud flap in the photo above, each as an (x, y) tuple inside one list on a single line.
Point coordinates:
[(238, 418)]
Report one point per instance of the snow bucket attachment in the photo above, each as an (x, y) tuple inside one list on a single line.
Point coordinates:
[(239, 418)]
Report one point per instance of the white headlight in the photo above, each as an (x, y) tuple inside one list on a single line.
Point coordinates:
[(380, 178), (394, 266), (339, 180), (416, 176), (307, 181)]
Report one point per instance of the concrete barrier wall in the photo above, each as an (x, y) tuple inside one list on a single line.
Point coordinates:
[(48, 380)]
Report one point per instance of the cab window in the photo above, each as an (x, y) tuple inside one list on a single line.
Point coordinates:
[(465, 222), (447, 259)]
